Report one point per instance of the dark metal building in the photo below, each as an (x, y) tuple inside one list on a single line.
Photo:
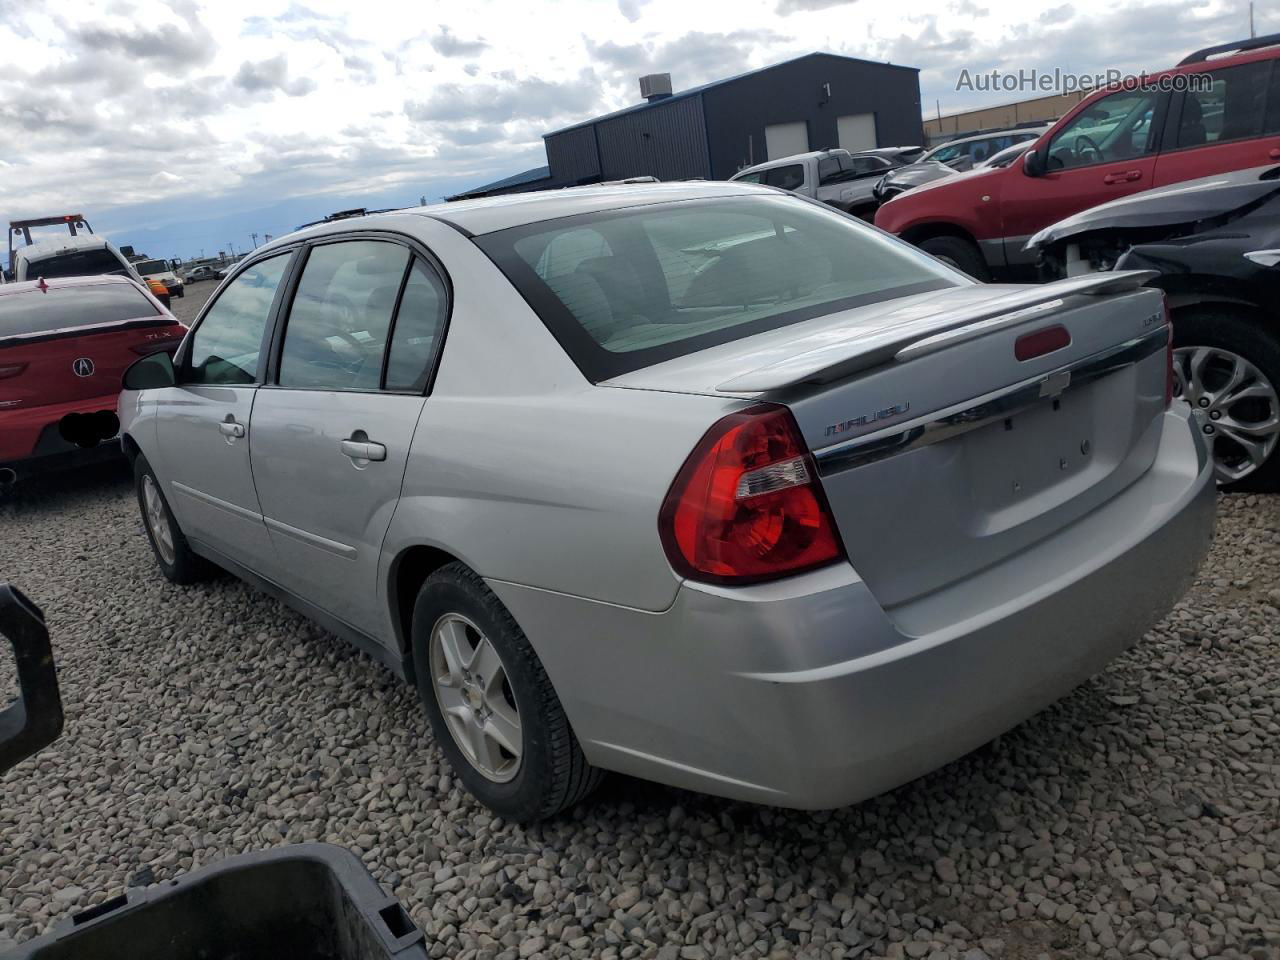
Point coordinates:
[(815, 102)]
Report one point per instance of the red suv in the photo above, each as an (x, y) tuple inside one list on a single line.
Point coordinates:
[(1115, 142)]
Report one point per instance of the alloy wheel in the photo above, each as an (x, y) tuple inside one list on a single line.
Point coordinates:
[(1235, 406), (157, 520), (475, 696)]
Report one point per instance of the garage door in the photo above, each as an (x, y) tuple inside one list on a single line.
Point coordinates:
[(786, 139), (857, 131)]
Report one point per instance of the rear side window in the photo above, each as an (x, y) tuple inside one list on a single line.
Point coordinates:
[(418, 328), (680, 277), (790, 177), (225, 347), (62, 308), (82, 263), (341, 315), (1232, 109)]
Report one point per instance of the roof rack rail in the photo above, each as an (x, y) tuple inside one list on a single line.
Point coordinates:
[(1236, 46)]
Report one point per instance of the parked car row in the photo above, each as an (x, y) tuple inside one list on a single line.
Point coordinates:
[(676, 479)]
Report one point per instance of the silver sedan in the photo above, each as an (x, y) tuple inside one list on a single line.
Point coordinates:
[(704, 483)]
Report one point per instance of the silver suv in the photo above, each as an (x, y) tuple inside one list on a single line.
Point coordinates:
[(705, 483)]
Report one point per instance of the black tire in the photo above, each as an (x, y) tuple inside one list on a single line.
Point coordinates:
[(1247, 337), (959, 253), (181, 294), (185, 567), (553, 774)]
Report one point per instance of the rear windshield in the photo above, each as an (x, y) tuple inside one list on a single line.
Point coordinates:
[(148, 267), (627, 289), (82, 263), (63, 307)]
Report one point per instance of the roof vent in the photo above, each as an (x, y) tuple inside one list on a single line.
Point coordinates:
[(655, 86)]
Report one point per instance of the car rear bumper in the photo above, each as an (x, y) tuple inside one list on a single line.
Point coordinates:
[(806, 693), (30, 438)]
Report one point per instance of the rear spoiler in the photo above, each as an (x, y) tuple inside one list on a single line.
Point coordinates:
[(839, 360), (62, 333)]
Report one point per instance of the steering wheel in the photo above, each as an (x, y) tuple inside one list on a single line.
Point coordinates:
[(1085, 146)]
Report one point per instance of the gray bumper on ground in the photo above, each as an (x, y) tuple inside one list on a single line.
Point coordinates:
[(806, 693)]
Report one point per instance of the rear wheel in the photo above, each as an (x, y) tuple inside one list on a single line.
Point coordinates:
[(172, 552), (491, 705), (959, 253), (1227, 366)]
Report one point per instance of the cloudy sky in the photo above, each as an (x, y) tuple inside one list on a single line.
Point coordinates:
[(182, 126)]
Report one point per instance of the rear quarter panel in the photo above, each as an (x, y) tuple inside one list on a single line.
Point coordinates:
[(527, 472)]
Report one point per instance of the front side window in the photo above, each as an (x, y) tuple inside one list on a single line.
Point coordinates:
[(790, 177), (341, 314), (684, 276), (225, 347), (1233, 108), (947, 153), (1117, 127), (750, 178)]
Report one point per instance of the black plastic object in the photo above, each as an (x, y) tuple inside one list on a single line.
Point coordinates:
[(310, 901), (35, 719)]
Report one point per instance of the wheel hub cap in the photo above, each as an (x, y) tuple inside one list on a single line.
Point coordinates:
[(475, 697), (157, 522), (1234, 405)]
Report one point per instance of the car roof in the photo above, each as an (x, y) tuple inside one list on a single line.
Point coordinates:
[(58, 283), (54, 246), (489, 214), (996, 133)]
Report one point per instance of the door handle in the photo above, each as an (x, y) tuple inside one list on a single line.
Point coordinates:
[(363, 450), (230, 428), (1123, 176)]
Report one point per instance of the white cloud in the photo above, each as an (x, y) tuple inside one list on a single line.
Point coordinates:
[(146, 112)]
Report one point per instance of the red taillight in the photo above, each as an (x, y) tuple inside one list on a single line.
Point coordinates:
[(1168, 356), (8, 370), (747, 506), (1039, 342)]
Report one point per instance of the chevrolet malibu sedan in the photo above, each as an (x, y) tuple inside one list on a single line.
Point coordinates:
[(704, 483)]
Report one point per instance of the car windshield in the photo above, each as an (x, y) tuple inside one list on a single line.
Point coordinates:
[(626, 289), (81, 263), (60, 308), (147, 267)]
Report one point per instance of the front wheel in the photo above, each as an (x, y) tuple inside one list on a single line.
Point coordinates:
[(173, 554), (1227, 367), (491, 705)]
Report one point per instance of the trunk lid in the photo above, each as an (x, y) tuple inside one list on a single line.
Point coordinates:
[(940, 451)]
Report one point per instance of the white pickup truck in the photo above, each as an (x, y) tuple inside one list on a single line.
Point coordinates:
[(837, 177)]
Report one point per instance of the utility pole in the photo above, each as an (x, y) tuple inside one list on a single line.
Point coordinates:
[(422, 201), (266, 238), (1252, 33), (255, 240)]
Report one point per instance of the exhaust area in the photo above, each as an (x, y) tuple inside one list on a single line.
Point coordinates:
[(87, 430)]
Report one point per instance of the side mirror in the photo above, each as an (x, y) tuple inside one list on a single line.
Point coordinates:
[(1033, 163), (35, 720), (152, 371)]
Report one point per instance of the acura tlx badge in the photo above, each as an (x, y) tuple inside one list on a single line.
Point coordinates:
[(82, 367)]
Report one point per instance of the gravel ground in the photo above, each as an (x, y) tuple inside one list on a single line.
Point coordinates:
[(1140, 817)]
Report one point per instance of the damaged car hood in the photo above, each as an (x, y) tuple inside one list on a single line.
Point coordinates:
[(1184, 202)]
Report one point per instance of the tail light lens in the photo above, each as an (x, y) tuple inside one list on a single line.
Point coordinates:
[(747, 505), (1168, 354), (8, 370)]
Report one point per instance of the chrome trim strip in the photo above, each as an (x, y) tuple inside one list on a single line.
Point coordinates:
[(231, 508), (311, 539), (979, 411)]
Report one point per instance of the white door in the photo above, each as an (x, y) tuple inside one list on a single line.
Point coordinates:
[(857, 131), (786, 139)]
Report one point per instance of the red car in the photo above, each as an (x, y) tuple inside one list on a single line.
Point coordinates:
[(1217, 111), (64, 345)]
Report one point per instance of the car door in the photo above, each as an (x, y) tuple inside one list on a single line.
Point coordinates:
[(1222, 122), (332, 429), (203, 423), (1106, 150)]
